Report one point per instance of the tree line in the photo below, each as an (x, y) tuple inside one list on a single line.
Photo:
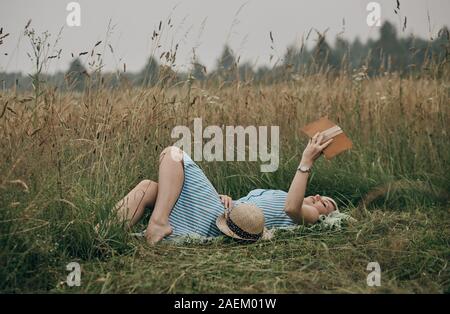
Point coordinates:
[(388, 53)]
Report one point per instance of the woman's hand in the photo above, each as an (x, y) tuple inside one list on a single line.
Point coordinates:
[(314, 149), (226, 201)]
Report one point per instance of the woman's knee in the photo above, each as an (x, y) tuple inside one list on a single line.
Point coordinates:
[(145, 184), (174, 152)]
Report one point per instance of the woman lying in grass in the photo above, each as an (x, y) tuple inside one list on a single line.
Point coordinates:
[(185, 202)]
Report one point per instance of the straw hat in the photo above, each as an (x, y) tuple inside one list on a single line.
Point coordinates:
[(243, 222)]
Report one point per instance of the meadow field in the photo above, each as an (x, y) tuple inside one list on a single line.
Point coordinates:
[(67, 157)]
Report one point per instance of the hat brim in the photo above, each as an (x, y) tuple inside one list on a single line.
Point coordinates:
[(221, 223)]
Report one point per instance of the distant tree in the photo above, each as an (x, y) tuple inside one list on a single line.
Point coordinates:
[(357, 53), (323, 54), (227, 59), (295, 60), (14, 80), (263, 74), (441, 45), (246, 72), (198, 71), (341, 52), (226, 65), (149, 75), (388, 53), (76, 75)]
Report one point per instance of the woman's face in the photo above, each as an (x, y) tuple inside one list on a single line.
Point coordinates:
[(322, 203)]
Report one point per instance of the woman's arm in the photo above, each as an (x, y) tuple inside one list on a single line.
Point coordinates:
[(294, 199), (294, 207)]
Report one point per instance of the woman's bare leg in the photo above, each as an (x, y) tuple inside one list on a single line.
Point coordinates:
[(131, 208), (170, 183)]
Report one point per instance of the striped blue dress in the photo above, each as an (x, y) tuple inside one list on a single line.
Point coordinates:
[(272, 204), (198, 205)]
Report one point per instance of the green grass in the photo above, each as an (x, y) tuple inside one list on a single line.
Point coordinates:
[(411, 247), (411, 244)]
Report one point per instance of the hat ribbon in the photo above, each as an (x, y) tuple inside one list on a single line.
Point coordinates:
[(243, 234)]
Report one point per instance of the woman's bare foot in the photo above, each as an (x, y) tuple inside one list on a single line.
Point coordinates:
[(156, 232)]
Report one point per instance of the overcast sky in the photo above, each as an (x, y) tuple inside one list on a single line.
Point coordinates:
[(201, 24)]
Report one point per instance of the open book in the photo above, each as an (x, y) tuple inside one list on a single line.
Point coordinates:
[(340, 141)]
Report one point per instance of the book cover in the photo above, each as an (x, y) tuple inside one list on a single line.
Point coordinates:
[(341, 141)]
